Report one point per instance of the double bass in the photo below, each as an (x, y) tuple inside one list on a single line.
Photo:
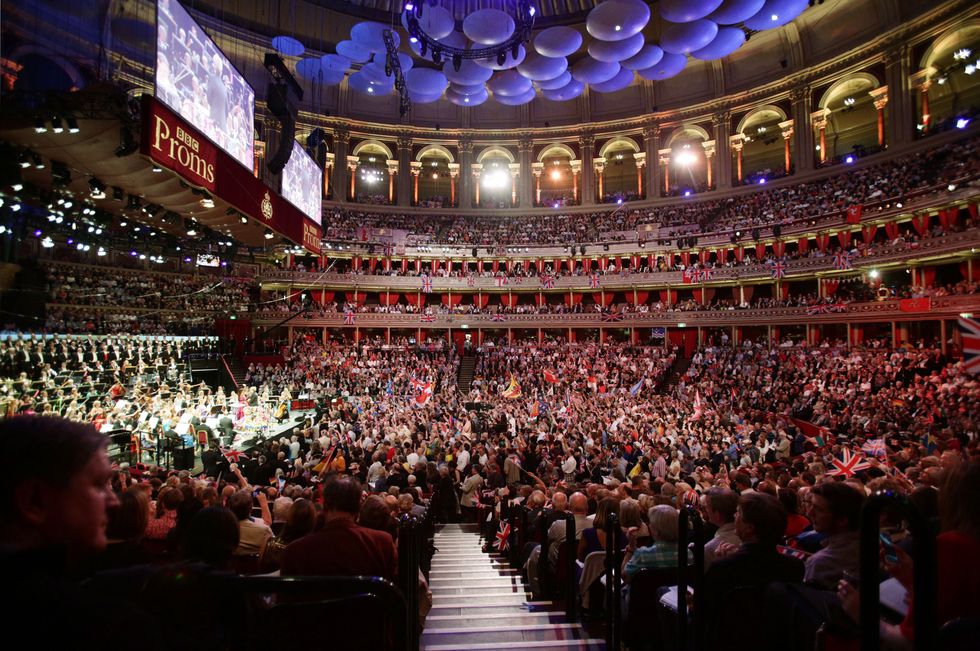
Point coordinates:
[(282, 411)]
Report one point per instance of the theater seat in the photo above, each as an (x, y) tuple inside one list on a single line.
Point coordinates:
[(640, 629)]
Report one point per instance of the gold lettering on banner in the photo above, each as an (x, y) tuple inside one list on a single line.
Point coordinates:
[(311, 236), (183, 149)]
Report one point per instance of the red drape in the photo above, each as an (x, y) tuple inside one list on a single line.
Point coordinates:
[(803, 244), (739, 253), (602, 264), (921, 223), (418, 265), (830, 287), (844, 237), (822, 241), (598, 298), (722, 255), (891, 229), (972, 209), (697, 296), (372, 264), (639, 299), (668, 296), (479, 266), (784, 290), (540, 299), (481, 300), (686, 258), (928, 276), (948, 217), (747, 291), (508, 300), (415, 299), (510, 264), (573, 299), (760, 251), (779, 248), (356, 298), (387, 298), (356, 263), (868, 233), (324, 296), (976, 271), (456, 299), (496, 266)]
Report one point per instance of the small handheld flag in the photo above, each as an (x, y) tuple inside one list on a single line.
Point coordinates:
[(502, 544)]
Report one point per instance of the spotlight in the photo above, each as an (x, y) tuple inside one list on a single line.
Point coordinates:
[(72, 124), (962, 123), (96, 188), (244, 219), (24, 161), (501, 57), (38, 162), (58, 127), (951, 187), (849, 159), (40, 126), (685, 158), (156, 169), (47, 242), (269, 234), (874, 273), (457, 62)]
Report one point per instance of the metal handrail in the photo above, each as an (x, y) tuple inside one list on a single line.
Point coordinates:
[(614, 582), (408, 572), (571, 585), (924, 578), (688, 519)]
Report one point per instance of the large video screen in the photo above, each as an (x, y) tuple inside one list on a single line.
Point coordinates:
[(302, 182), (198, 82)]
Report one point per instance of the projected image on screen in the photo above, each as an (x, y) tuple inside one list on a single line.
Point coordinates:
[(195, 79), (302, 180)]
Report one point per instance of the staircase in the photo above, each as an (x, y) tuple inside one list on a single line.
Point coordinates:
[(237, 369), (480, 602), (677, 371), (464, 378)]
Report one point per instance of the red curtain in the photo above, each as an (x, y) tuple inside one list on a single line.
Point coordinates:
[(481, 300), (372, 264), (760, 251), (508, 300), (722, 255), (891, 229), (597, 297), (418, 265), (325, 297), (948, 217), (747, 291), (803, 244), (602, 264), (779, 248), (928, 276), (540, 299), (920, 223), (355, 263), (739, 253), (357, 298), (639, 299), (415, 299), (573, 299), (784, 290), (709, 294), (510, 264), (668, 296), (496, 266), (964, 270), (455, 298), (844, 237), (972, 209), (868, 233), (387, 298), (698, 298), (830, 287), (822, 241), (686, 258)]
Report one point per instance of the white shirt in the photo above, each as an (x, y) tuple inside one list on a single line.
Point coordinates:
[(462, 459), (569, 465)]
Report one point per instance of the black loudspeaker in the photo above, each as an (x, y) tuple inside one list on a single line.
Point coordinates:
[(283, 107), (777, 230), (474, 252), (582, 249), (184, 458), (734, 238), (316, 146), (756, 234)]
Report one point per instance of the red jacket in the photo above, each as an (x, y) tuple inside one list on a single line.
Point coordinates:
[(342, 548)]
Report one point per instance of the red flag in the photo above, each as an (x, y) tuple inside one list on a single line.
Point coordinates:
[(854, 214), (550, 377), (914, 304)]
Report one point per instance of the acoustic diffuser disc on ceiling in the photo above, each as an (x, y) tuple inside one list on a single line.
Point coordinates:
[(557, 42), (488, 26), (614, 20)]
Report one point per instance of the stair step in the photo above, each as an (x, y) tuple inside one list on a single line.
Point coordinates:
[(480, 581), (493, 638), (481, 595), (489, 619), (451, 591), (470, 609)]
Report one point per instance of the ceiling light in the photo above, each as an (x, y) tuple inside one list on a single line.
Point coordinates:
[(24, 160), (156, 169), (849, 159), (244, 219), (269, 234), (874, 273), (72, 124), (38, 162), (849, 101), (619, 28), (40, 126), (47, 242), (555, 175), (774, 17), (970, 69), (58, 126), (961, 54), (207, 202), (962, 123), (685, 158), (15, 207)]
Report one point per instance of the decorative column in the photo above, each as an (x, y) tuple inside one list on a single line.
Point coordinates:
[(453, 175), (921, 81), (586, 143), (352, 163), (819, 121), (476, 169), (786, 128), (404, 190), (641, 161), (880, 97), (737, 143), (721, 124), (515, 174), (900, 110), (259, 156), (599, 165), (416, 167), (465, 178), (664, 158), (327, 173), (525, 148), (924, 93), (801, 103), (340, 139), (537, 169), (576, 166), (709, 154), (392, 175), (651, 138)]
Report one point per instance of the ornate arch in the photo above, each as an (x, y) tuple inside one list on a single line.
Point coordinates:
[(760, 112), (688, 130), (620, 140), (556, 148), (70, 69), (495, 149), (845, 86), (435, 150), (962, 35), (372, 146)]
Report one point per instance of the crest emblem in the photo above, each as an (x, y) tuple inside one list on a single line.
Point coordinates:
[(267, 206)]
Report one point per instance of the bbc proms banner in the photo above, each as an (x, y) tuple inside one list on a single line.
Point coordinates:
[(174, 144)]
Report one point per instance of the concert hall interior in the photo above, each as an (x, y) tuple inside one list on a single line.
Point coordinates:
[(491, 324)]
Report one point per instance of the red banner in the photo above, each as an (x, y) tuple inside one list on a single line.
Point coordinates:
[(174, 144), (914, 304)]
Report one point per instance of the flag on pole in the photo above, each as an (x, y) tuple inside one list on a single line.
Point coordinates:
[(697, 406), (851, 464), (501, 544), (513, 390), (875, 448), (550, 377), (970, 336), (636, 388)]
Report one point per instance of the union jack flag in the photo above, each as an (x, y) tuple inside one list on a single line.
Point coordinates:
[(822, 308), (498, 317), (426, 284), (548, 281), (875, 448), (428, 318), (702, 275), (612, 316), (501, 544), (234, 456), (349, 318), (470, 281), (970, 336), (389, 250), (849, 465), (518, 280), (594, 281), (777, 270), (500, 281), (842, 261)]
